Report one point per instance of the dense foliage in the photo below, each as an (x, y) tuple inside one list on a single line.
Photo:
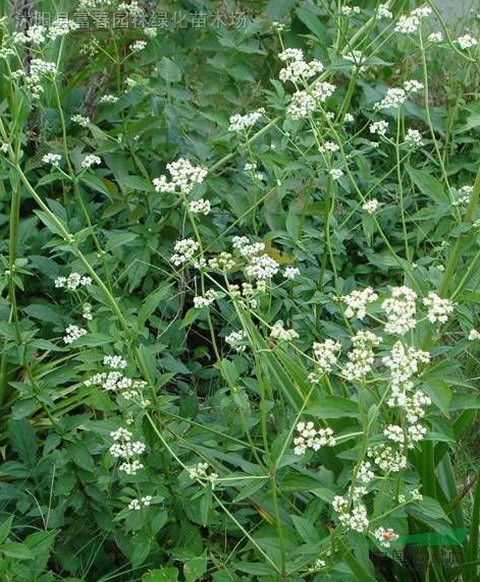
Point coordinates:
[(239, 331)]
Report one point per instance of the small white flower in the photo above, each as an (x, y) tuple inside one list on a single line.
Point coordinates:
[(200, 206), (184, 177), (237, 339), (82, 120), (53, 159), (138, 45), (109, 98), (243, 122), (413, 137), (72, 333), (379, 127), (90, 160), (357, 302), (371, 206), (279, 332), (184, 249), (435, 37), (473, 335), (394, 98), (115, 362), (383, 11), (291, 272), (438, 308), (466, 41), (336, 173)]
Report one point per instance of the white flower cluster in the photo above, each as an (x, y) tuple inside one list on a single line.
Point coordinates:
[(126, 449), (206, 300), (357, 302), (303, 103), (133, 8), (349, 10), (53, 159), (473, 335), (403, 363), (138, 46), (361, 357), (326, 354), (336, 173), (413, 434), (115, 362), (261, 267), (378, 127), (371, 206), (435, 37), (308, 437), (108, 98), (72, 333), (413, 137), (82, 120), (110, 381), (38, 70), (394, 98), (466, 41), (243, 122), (62, 27), (297, 68), (184, 249), (222, 262), (249, 167), (383, 11), (411, 23), (438, 308), (248, 292), (400, 310), (356, 519), (87, 311), (413, 495), (329, 146), (387, 458), (137, 504), (291, 272), (202, 472), (365, 473), (184, 176), (245, 248), (200, 206), (279, 332), (237, 339), (90, 160), (385, 536), (34, 35), (72, 282), (413, 86)]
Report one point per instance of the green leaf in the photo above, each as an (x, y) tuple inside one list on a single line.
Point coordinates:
[(50, 223), (97, 184), (312, 22), (161, 575), (118, 239), (23, 440), (170, 71), (306, 530), (195, 568), (5, 529), (44, 313), (277, 9), (17, 551), (428, 185)]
